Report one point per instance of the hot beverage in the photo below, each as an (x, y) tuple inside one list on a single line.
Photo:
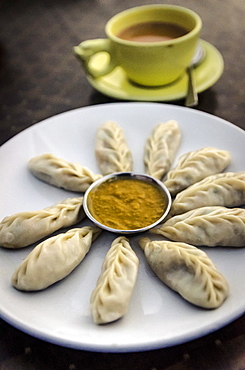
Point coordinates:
[(152, 32)]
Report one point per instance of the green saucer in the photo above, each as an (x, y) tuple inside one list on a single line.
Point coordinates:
[(116, 84)]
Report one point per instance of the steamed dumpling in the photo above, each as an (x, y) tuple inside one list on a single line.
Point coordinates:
[(111, 149), (187, 270), (224, 189), (161, 147), (25, 228), (195, 166), (210, 226), (63, 174), (110, 299), (54, 259)]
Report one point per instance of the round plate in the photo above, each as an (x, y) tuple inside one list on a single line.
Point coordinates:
[(157, 316), (116, 84)]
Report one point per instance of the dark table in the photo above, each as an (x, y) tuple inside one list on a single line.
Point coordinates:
[(39, 78)]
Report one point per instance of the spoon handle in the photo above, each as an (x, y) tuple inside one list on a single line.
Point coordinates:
[(191, 97)]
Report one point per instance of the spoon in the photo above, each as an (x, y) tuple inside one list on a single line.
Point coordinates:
[(192, 97)]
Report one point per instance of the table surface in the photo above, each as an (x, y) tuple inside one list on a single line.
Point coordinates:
[(39, 78)]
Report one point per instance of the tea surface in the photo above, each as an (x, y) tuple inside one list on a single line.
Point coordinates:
[(152, 32)]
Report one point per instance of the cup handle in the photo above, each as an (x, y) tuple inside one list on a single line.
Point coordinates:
[(87, 49)]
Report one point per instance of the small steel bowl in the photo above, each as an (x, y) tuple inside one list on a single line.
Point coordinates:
[(128, 175)]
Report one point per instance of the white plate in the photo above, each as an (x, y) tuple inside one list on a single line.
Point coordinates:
[(157, 316)]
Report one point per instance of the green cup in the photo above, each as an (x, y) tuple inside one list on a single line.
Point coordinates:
[(148, 63)]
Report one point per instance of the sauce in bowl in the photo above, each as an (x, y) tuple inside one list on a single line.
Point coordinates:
[(127, 202)]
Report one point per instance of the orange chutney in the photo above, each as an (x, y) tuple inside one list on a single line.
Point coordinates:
[(126, 204)]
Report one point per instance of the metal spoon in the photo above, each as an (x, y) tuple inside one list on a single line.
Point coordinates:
[(192, 97)]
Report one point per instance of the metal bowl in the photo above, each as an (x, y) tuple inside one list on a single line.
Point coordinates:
[(128, 175)]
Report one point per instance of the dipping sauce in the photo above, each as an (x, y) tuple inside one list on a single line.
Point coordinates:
[(126, 204), (152, 32)]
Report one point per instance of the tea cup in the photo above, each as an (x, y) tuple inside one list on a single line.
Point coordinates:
[(153, 44)]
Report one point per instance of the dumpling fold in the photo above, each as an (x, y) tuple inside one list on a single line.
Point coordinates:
[(54, 259), (61, 173), (224, 189), (110, 299), (209, 226), (195, 166), (161, 147), (111, 149), (187, 270), (24, 228)]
